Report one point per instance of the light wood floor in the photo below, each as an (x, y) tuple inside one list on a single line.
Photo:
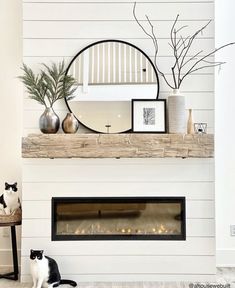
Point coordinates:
[(224, 276), (12, 284)]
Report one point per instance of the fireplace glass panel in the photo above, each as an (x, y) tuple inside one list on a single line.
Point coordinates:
[(115, 218)]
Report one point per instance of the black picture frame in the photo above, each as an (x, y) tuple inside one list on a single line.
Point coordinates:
[(133, 112)]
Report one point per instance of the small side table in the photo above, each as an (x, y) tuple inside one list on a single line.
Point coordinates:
[(12, 275)]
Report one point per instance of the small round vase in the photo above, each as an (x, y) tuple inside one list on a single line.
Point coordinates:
[(176, 113), (49, 122), (70, 124)]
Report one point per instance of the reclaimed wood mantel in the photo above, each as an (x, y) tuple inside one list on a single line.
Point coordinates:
[(118, 146)]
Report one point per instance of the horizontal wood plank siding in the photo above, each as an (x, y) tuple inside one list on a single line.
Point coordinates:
[(75, 24), (193, 178), (57, 29), (193, 246), (85, 11), (131, 264), (68, 47), (119, 170), (190, 190)]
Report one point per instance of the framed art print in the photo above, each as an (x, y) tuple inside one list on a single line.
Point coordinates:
[(149, 115)]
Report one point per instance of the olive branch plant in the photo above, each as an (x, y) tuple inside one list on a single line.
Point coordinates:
[(50, 85), (184, 65)]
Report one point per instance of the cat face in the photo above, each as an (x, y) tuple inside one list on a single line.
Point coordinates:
[(11, 188), (36, 255)]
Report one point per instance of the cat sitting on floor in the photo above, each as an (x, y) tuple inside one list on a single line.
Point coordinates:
[(45, 271), (9, 200)]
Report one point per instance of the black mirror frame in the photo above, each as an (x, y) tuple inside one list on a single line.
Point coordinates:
[(117, 41)]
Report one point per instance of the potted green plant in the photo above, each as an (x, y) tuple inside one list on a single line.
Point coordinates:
[(50, 85), (184, 64)]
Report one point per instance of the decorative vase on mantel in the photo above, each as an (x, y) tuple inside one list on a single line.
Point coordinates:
[(190, 126), (70, 124), (49, 122), (176, 113), (51, 84)]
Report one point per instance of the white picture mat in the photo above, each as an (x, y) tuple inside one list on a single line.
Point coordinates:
[(138, 118)]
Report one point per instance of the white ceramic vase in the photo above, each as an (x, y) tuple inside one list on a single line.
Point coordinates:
[(176, 113)]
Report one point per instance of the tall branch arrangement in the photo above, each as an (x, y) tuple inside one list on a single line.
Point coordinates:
[(183, 65), (50, 85)]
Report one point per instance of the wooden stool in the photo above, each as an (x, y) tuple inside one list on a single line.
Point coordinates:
[(12, 221)]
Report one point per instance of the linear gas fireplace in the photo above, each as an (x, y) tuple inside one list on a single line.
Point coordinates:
[(112, 218)]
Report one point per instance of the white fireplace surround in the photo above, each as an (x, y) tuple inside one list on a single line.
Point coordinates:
[(190, 260), (60, 35)]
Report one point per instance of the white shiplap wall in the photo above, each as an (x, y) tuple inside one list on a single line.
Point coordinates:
[(56, 29), (192, 260)]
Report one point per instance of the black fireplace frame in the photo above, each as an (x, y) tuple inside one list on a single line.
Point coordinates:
[(55, 200)]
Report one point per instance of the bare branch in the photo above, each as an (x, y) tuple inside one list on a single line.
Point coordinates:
[(213, 62), (153, 37), (183, 41), (192, 58), (191, 70), (173, 41), (207, 66), (181, 28), (164, 77), (191, 39), (178, 42), (181, 47), (170, 45), (187, 48), (160, 72), (141, 26), (173, 26), (156, 45)]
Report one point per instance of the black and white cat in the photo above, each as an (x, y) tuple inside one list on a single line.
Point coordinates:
[(45, 271), (9, 200)]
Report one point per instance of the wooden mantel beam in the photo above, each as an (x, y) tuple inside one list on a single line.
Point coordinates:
[(130, 145)]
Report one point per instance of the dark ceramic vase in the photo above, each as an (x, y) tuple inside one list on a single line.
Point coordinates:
[(70, 124), (49, 122)]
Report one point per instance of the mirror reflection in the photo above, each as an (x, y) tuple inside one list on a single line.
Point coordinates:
[(109, 75), (110, 116)]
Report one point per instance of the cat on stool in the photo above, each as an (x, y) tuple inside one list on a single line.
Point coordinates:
[(45, 271), (9, 200)]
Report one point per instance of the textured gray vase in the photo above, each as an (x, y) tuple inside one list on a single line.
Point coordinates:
[(70, 124), (176, 113), (49, 122)]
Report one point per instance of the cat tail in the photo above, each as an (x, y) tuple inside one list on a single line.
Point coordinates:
[(68, 282)]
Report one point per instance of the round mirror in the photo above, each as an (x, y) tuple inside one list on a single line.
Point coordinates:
[(109, 74)]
